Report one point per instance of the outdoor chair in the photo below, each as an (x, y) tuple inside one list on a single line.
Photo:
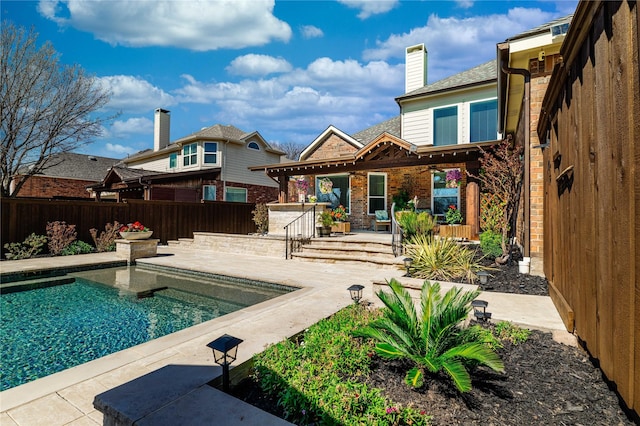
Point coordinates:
[(381, 220)]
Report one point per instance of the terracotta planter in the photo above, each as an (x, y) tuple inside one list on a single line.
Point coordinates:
[(136, 235)]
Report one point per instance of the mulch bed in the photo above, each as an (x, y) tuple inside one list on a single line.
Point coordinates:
[(544, 383)]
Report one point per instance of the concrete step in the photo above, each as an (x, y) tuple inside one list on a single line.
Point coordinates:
[(377, 261), (348, 250), (343, 243), (181, 242)]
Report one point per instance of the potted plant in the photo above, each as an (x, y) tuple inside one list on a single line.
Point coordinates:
[(324, 222), (453, 215), (135, 231), (453, 178), (302, 185), (341, 219)]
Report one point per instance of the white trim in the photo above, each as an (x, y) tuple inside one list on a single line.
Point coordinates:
[(385, 190), (323, 136)]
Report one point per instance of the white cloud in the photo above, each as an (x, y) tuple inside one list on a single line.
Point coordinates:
[(134, 125), (132, 94), (309, 31), (119, 149), (258, 65), (196, 25), (465, 4), (369, 7), (456, 44)]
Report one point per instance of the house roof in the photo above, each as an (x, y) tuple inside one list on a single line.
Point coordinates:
[(217, 131), (71, 165), (480, 74), (318, 141), (542, 28), (391, 126)]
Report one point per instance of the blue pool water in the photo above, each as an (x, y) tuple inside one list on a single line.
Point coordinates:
[(46, 330)]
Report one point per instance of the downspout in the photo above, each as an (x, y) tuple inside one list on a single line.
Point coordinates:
[(526, 213), (223, 175)]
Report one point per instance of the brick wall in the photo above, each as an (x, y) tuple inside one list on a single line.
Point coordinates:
[(49, 187), (536, 206), (333, 147)]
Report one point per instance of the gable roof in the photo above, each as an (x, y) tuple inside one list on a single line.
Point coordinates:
[(71, 165), (217, 131), (331, 130), (544, 28), (481, 74)]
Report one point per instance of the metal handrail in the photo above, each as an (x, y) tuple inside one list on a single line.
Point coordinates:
[(396, 233), (299, 232)]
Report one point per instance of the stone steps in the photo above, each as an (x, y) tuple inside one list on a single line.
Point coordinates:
[(352, 251)]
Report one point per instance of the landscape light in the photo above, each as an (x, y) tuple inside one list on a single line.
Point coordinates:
[(356, 292), (407, 264), (225, 350)]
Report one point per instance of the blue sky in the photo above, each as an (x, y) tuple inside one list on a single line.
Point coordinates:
[(287, 69)]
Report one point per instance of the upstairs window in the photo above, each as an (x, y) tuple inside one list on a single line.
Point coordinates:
[(190, 154), (210, 153), (254, 145), (445, 126), (483, 121), (173, 160)]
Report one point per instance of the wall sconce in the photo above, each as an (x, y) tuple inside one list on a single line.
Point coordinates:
[(483, 276), (407, 264), (225, 350), (356, 292)]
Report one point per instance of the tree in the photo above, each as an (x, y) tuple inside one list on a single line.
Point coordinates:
[(292, 150), (433, 339), (501, 174), (45, 107)]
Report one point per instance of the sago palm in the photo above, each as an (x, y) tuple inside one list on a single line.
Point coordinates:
[(433, 338)]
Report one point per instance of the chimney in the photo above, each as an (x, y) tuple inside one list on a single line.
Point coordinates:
[(161, 129), (415, 70)]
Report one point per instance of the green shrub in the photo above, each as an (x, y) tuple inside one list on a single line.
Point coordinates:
[(77, 247), (413, 223), (315, 377), (491, 244), (441, 259), (512, 333), (433, 341), (60, 235), (31, 246)]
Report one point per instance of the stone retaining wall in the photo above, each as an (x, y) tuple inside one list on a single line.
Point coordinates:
[(260, 245)]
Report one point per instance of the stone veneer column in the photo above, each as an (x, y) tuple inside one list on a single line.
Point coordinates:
[(136, 249)]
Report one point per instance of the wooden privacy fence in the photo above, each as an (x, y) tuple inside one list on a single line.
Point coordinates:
[(168, 220), (592, 188)]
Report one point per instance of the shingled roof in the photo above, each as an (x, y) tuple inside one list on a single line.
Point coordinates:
[(218, 131), (484, 73), (391, 126), (77, 166), (542, 28)]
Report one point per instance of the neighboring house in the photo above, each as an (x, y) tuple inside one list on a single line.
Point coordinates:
[(65, 175), (525, 63), (208, 165), (440, 128)]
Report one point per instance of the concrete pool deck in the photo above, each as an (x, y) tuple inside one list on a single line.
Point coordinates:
[(66, 398)]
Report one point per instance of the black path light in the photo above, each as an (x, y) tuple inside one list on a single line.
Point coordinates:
[(407, 264), (225, 350), (356, 292)]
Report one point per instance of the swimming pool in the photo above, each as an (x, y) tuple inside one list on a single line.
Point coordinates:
[(52, 326)]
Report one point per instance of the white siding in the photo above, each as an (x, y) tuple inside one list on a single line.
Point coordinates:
[(157, 164), (238, 159), (416, 127), (415, 68)]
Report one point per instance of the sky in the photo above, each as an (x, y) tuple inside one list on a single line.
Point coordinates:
[(287, 69)]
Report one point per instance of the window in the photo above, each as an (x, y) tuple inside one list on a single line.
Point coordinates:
[(341, 191), (190, 154), (173, 160), (377, 195), (445, 126), (443, 197), (253, 145), (237, 195), (210, 153), (483, 119), (209, 192)]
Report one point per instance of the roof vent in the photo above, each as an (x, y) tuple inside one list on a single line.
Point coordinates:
[(92, 158), (559, 30)]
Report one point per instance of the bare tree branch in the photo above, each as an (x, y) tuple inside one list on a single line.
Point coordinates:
[(45, 107)]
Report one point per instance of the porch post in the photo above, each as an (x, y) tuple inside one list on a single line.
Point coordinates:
[(283, 195)]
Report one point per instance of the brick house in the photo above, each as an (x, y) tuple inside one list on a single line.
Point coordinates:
[(65, 175), (208, 165), (441, 127), (526, 62)]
